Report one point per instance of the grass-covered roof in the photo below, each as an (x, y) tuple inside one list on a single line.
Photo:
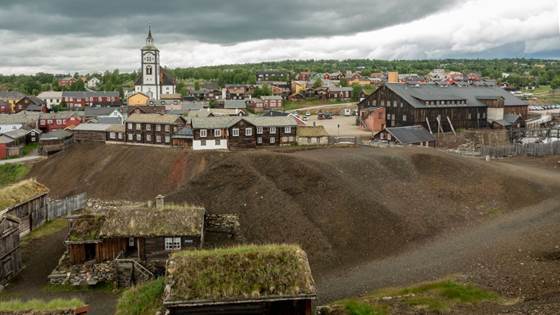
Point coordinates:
[(85, 228), (171, 220), (245, 273), (17, 193)]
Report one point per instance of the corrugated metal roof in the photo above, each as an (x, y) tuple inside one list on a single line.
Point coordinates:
[(411, 134)]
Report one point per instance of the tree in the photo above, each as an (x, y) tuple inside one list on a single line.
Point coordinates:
[(356, 92), (555, 84), (318, 83)]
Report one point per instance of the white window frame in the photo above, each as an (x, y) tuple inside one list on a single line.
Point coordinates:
[(272, 140), (130, 137), (259, 140), (149, 137), (288, 129), (167, 139), (203, 133), (167, 129), (172, 243), (138, 126), (158, 127), (259, 130), (217, 133), (158, 139), (272, 130), (112, 135), (138, 137), (129, 125), (149, 127), (235, 132), (403, 117), (248, 131), (217, 142)]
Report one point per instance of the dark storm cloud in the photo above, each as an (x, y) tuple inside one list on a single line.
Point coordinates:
[(217, 21)]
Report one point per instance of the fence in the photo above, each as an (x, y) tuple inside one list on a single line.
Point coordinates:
[(530, 149), (344, 140), (63, 207)]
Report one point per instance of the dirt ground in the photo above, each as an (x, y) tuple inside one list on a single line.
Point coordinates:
[(367, 217), (339, 125)]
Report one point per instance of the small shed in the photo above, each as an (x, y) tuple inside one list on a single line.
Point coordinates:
[(90, 132), (266, 279), (54, 141), (183, 137), (10, 253), (116, 133), (308, 135), (27, 201), (409, 135)]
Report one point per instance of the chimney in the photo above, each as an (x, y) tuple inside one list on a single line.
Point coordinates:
[(160, 201)]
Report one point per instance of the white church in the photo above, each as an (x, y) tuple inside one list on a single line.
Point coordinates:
[(154, 80)]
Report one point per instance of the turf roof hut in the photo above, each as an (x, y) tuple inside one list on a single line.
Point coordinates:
[(27, 201), (140, 232), (270, 279)]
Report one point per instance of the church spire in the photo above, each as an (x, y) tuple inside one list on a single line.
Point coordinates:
[(149, 39)]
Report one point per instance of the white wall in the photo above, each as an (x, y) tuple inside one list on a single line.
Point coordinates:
[(495, 113), (210, 145)]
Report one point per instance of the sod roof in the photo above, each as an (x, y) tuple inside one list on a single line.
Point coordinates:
[(20, 192), (237, 274), (85, 228), (308, 131), (184, 220)]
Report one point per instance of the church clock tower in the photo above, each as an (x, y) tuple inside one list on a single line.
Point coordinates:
[(150, 68)]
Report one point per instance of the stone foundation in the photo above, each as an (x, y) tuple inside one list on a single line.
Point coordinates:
[(80, 275)]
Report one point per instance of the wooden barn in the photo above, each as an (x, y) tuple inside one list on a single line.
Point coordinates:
[(10, 255), (27, 201), (444, 107), (91, 132), (266, 279), (55, 141), (147, 234)]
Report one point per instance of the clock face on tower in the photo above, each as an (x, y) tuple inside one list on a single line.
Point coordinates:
[(149, 58)]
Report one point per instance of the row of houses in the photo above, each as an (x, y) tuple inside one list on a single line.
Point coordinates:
[(80, 99)]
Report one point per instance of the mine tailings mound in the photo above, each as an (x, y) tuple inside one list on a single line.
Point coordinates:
[(343, 205)]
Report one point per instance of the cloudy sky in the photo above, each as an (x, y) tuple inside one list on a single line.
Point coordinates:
[(97, 35)]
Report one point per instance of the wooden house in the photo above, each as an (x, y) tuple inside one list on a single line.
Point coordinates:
[(60, 120), (146, 234), (274, 131), (116, 133), (211, 133), (444, 107), (266, 280), (153, 129), (55, 141), (27, 201), (309, 135), (91, 132), (10, 253), (409, 135)]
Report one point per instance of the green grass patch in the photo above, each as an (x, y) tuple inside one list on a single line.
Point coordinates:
[(307, 103), (11, 173), (30, 147), (40, 305), (45, 230), (145, 299), (354, 307)]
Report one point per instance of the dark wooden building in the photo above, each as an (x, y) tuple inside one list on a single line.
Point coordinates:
[(27, 201), (55, 141), (147, 234), (266, 280), (153, 129), (435, 107), (91, 132), (409, 135), (10, 255)]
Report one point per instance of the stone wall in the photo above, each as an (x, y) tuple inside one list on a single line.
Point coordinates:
[(80, 275)]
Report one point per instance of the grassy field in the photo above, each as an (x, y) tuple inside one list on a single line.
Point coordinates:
[(11, 173), (545, 95), (303, 104), (145, 299), (45, 230), (40, 306), (440, 296)]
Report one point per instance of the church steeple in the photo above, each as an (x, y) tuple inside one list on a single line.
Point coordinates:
[(149, 39)]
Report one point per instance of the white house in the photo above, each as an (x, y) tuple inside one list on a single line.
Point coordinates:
[(93, 83), (51, 98)]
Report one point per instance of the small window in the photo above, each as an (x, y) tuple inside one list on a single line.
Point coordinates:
[(138, 126), (172, 243), (50, 121), (235, 132), (158, 127), (130, 136), (217, 132), (112, 135), (218, 142), (403, 117), (259, 140), (167, 139), (129, 125), (259, 130), (288, 129), (148, 127), (59, 122), (167, 128), (138, 137), (158, 139), (272, 140), (203, 142), (248, 131), (203, 133), (149, 138), (272, 130)]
